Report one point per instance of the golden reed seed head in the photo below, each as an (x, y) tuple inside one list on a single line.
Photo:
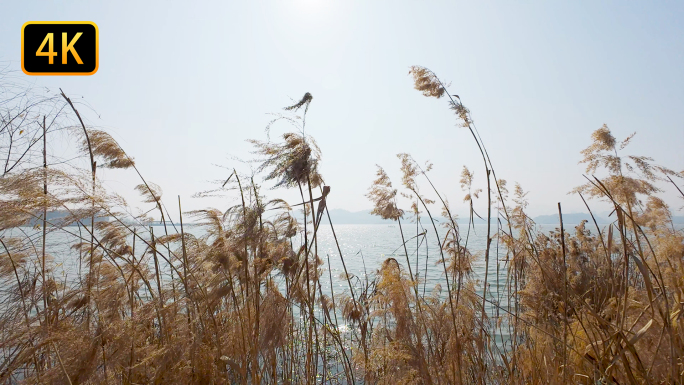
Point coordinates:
[(306, 100), (426, 82), (104, 146), (383, 197)]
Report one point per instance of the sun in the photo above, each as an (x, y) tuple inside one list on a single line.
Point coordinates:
[(310, 6)]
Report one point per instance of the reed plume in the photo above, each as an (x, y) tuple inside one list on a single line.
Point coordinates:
[(97, 294)]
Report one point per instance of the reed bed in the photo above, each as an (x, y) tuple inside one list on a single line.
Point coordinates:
[(244, 303)]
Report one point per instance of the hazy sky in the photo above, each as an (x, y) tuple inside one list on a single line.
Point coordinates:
[(182, 85)]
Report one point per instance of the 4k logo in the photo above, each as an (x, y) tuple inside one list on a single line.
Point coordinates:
[(59, 48)]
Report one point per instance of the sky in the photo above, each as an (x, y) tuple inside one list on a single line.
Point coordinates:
[(182, 86)]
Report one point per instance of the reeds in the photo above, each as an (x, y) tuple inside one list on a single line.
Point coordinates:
[(244, 303)]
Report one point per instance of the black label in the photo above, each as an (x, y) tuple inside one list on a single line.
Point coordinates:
[(59, 48)]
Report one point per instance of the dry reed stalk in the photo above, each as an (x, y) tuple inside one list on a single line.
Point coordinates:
[(93, 168), (45, 192), (565, 296), (607, 333)]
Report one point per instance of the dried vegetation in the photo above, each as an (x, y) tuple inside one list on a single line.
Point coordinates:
[(244, 302)]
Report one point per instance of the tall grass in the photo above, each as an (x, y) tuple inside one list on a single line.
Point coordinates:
[(244, 303)]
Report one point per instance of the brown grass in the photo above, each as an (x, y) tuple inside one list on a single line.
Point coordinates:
[(244, 303)]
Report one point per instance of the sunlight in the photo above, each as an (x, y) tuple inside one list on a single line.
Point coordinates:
[(310, 6)]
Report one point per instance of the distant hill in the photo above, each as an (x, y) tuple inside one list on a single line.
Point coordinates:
[(579, 217), (56, 217), (569, 218), (340, 216), (343, 217)]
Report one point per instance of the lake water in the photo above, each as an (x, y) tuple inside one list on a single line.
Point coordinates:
[(364, 247)]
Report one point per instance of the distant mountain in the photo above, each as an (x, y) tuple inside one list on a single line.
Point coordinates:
[(569, 219), (579, 217), (343, 217), (56, 217), (340, 216)]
